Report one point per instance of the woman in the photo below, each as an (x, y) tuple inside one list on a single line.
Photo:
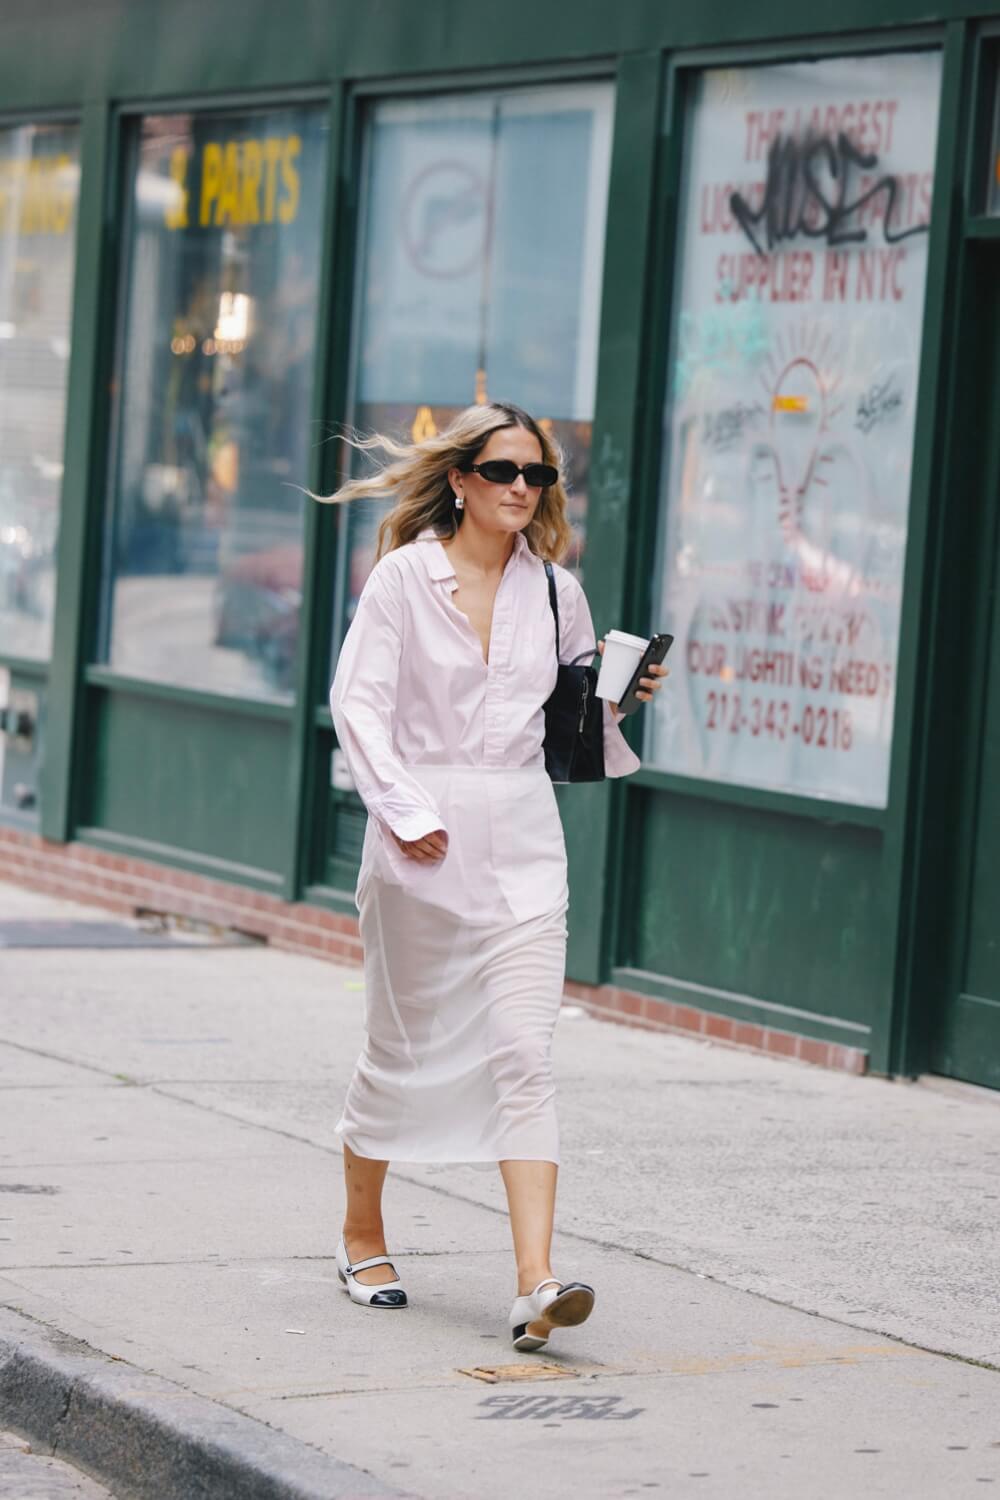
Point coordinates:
[(438, 706)]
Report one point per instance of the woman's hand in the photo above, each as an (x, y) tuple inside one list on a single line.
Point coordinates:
[(647, 685), (432, 847)]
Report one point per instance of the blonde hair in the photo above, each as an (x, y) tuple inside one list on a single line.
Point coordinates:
[(416, 474)]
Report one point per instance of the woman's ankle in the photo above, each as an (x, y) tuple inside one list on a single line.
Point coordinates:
[(528, 1279), (369, 1236), (360, 1245)]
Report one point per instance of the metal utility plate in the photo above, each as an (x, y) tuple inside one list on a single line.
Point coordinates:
[(492, 1374)]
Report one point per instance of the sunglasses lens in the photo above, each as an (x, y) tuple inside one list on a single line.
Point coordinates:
[(498, 471), (504, 471)]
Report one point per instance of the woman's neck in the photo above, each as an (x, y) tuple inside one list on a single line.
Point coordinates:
[(485, 552)]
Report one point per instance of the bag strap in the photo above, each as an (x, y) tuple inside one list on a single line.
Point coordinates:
[(555, 611), (552, 600)]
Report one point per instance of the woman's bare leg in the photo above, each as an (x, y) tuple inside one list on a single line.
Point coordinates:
[(363, 1232), (531, 1199)]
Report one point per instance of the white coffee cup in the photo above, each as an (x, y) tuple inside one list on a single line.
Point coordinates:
[(622, 654)]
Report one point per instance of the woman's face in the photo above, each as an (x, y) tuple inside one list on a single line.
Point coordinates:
[(501, 507)]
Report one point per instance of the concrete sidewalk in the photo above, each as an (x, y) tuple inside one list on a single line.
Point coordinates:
[(797, 1271)]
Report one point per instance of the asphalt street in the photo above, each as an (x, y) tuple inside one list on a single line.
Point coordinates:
[(27, 1475)]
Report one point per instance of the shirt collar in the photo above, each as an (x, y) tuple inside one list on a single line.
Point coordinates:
[(438, 563)]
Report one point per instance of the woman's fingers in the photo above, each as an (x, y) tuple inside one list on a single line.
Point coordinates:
[(433, 846), (420, 849), (652, 684)]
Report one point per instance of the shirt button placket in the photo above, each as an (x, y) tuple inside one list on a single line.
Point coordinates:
[(495, 735)]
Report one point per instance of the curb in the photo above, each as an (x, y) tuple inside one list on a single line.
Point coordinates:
[(149, 1438)]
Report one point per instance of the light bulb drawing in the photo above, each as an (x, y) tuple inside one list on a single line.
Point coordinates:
[(806, 458)]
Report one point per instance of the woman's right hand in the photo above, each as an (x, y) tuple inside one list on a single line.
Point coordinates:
[(433, 846)]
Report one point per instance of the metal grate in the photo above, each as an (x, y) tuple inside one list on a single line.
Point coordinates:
[(56, 934)]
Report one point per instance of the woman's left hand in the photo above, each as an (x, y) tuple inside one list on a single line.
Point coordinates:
[(647, 685)]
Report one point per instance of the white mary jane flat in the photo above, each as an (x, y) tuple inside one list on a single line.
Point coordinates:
[(388, 1294), (552, 1304)]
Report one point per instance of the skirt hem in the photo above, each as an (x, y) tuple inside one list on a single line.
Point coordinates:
[(403, 1158)]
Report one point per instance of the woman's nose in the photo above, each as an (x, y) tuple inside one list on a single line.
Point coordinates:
[(519, 487)]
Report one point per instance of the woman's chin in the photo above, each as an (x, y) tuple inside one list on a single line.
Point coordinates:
[(514, 517)]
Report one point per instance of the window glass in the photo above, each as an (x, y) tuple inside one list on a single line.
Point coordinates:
[(993, 182), (203, 556), (789, 421), (39, 179), (480, 261)]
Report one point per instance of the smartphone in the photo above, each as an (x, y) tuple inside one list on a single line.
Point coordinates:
[(654, 653)]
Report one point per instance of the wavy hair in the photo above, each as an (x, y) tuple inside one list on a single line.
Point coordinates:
[(416, 476)]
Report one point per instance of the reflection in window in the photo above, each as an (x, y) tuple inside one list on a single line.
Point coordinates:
[(203, 566), (39, 178), (480, 261)]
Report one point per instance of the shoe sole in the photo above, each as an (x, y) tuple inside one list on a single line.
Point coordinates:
[(571, 1307)]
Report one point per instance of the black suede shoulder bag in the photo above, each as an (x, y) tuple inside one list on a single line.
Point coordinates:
[(574, 715)]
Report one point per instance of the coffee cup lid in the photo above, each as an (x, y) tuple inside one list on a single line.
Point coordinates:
[(623, 637)]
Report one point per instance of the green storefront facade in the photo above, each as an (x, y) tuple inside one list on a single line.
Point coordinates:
[(744, 259)]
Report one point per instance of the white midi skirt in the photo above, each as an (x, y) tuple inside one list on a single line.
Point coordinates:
[(464, 969)]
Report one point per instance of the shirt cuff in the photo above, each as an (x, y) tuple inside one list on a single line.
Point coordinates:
[(405, 820), (619, 757)]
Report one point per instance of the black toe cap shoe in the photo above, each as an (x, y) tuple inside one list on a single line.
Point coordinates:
[(388, 1299)]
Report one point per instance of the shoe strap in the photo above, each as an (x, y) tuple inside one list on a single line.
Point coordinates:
[(549, 1281), (362, 1265)]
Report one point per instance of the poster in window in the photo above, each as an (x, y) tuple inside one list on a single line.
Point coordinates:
[(789, 424)]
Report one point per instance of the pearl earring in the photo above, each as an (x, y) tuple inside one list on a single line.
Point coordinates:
[(459, 502)]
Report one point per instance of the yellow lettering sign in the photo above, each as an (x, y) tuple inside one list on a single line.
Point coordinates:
[(37, 195), (253, 163), (211, 179), (290, 178), (242, 183), (227, 210), (272, 150)]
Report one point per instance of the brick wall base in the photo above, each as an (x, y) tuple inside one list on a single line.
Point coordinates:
[(76, 872), (629, 1008)]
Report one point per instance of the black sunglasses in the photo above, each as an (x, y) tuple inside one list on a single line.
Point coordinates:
[(505, 471)]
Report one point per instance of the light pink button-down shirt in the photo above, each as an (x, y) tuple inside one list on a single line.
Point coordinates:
[(411, 686)]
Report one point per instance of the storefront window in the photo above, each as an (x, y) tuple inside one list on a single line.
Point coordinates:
[(789, 422), (203, 558), (39, 180), (480, 261)]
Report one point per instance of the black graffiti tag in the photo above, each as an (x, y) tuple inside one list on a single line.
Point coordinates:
[(882, 400), (807, 192)]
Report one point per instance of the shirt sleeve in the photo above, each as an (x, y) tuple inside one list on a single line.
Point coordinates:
[(362, 703), (577, 635)]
